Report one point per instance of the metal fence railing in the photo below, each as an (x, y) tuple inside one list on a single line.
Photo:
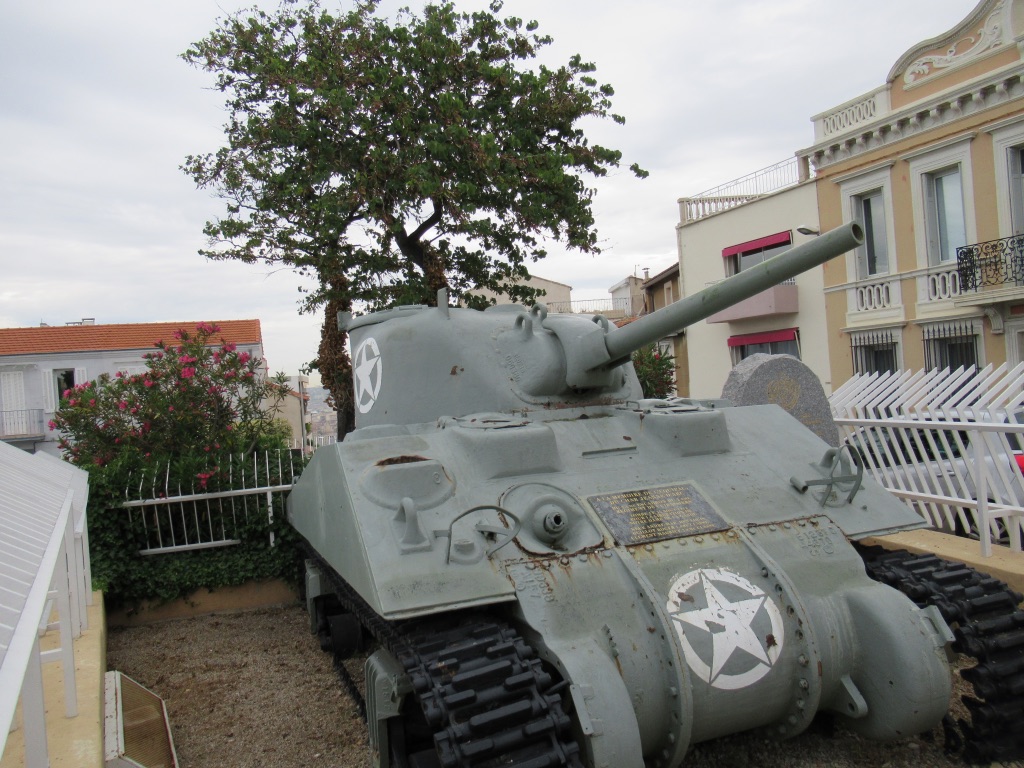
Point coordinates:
[(757, 184), (21, 423), (948, 442), (214, 508)]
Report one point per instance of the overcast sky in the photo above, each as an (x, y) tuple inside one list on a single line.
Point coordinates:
[(98, 113)]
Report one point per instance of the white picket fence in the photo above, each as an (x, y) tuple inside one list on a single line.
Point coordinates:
[(168, 516), (946, 442)]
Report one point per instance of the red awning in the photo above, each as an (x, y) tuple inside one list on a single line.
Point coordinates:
[(779, 238), (762, 338)]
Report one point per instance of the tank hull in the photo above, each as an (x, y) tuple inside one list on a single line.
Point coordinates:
[(660, 559)]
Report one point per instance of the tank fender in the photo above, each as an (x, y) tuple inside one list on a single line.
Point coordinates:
[(611, 734), (902, 673)]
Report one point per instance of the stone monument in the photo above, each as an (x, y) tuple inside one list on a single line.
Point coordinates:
[(786, 382)]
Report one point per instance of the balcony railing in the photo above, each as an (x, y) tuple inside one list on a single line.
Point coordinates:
[(998, 263), (744, 189), (941, 283), (622, 306), (23, 423)]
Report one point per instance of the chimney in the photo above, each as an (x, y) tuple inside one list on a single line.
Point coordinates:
[(88, 321), (647, 274)]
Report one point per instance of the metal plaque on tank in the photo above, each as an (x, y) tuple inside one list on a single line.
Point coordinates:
[(653, 514)]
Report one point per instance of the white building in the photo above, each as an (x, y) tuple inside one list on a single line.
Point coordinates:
[(37, 364)]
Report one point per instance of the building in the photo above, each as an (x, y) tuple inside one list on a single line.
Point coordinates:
[(658, 292), (931, 163), (38, 364), (734, 227), (627, 296), (294, 410), (555, 294)]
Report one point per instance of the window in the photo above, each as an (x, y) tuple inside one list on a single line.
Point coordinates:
[(1015, 176), (746, 255), (873, 256), (668, 293), (944, 214), (783, 342), (875, 351), (951, 345), (1008, 154), (57, 381), (867, 199), (941, 184)]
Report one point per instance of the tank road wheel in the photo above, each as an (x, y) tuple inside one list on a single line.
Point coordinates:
[(480, 699), (986, 619)]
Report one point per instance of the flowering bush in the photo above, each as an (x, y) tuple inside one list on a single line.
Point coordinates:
[(654, 370), (198, 400), (197, 397)]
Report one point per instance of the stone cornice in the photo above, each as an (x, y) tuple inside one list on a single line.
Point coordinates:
[(983, 93)]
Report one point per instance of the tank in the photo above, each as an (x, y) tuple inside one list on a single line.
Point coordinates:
[(551, 569)]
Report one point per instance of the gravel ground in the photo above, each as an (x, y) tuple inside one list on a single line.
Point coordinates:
[(254, 689)]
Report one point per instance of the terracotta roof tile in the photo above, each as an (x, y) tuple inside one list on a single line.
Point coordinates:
[(89, 338)]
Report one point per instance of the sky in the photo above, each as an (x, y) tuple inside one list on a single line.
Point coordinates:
[(98, 112)]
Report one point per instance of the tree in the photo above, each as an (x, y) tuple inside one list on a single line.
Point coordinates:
[(654, 370), (388, 160)]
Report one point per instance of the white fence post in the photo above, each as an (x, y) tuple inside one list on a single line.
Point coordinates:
[(944, 442)]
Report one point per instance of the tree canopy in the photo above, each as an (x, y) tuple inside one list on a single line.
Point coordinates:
[(388, 159)]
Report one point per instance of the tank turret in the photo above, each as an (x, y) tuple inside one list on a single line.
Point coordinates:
[(414, 364)]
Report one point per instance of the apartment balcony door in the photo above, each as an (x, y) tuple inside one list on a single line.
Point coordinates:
[(13, 413)]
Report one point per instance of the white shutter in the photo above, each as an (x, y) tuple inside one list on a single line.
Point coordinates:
[(1014, 158), (81, 376), (49, 391)]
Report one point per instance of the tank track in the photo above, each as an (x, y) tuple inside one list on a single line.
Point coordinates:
[(988, 625), (486, 698)]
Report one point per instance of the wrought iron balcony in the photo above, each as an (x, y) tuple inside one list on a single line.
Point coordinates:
[(996, 263)]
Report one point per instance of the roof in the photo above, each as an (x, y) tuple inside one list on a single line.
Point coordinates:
[(91, 338), (671, 271)]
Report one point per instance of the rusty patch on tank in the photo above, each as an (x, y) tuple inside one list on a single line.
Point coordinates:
[(389, 462)]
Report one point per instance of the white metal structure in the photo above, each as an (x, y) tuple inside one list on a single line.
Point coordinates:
[(947, 442), (168, 517), (44, 561)]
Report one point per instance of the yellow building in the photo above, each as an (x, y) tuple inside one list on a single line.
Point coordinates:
[(932, 166)]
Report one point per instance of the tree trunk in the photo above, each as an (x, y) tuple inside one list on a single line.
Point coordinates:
[(334, 362)]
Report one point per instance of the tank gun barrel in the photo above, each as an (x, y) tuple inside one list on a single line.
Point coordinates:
[(621, 343)]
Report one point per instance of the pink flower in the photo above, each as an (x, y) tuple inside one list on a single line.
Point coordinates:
[(170, 408), (243, 358), (188, 373), (51, 424), (148, 383), (122, 405), (92, 401)]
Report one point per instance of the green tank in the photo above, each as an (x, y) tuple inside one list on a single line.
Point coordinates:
[(552, 570)]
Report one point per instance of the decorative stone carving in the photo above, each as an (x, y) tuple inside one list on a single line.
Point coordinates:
[(991, 34)]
